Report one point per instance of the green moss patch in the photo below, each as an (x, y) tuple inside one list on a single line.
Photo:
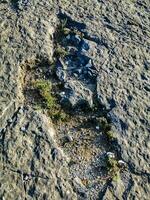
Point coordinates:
[(113, 168), (48, 100), (44, 88)]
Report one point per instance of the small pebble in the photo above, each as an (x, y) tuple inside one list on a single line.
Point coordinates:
[(67, 62), (85, 45), (77, 39), (69, 138), (10, 120), (26, 177), (39, 70), (23, 129), (89, 65), (20, 110), (121, 162), (76, 75), (97, 127), (79, 71), (90, 74), (62, 94), (68, 37), (110, 155)]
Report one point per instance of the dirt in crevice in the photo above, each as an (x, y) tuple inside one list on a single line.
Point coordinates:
[(81, 134), (30, 72)]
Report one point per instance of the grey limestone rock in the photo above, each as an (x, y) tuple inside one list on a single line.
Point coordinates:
[(76, 94), (112, 62)]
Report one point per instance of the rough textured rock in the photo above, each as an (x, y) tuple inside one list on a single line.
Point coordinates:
[(78, 94), (33, 162), (29, 168), (26, 145), (76, 70)]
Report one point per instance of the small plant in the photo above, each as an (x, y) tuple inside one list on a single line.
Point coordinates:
[(113, 168), (37, 107), (61, 31), (63, 24), (110, 135), (44, 87), (59, 115), (60, 52), (53, 66), (106, 127), (66, 31)]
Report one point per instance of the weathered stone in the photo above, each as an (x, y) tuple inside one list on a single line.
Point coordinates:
[(29, 159), (85, 45), (61, 74), (76, 39), (77, 94), (116, 39)]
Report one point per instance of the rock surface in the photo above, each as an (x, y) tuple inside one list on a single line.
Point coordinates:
[(29, 168), (111, 66)]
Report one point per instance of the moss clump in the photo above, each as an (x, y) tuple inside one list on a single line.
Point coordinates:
[(61, 31), (53, 67), (113, 168), (58, 114), (106, 127), (60, 52), (110, 135), (62, 24), (49, 102), (44, 87), (66, 31)]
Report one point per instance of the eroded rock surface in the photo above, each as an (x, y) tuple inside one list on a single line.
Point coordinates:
[(29, 167), (107, 68)]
